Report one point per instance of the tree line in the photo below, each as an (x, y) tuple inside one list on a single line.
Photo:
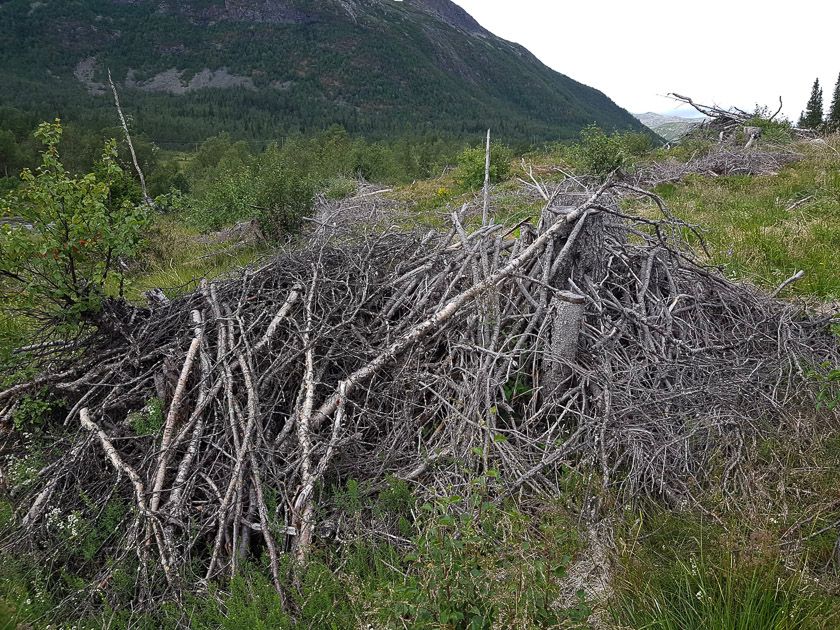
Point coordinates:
[(814, 116)]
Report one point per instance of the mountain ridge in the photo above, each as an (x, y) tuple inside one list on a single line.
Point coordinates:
[(260, 68)]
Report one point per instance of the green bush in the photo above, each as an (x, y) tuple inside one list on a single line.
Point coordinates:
[(33, 412), (63, 255), (472, 162), (149, 420), (272, 189), (599, 154), (775, 131), (339, 187), (636, 143), (468, 573)]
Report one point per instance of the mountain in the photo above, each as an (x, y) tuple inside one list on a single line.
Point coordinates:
[(189, 69), (671, 128)]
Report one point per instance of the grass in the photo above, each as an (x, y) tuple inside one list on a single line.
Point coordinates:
[(752, 233), (703, 595), (758, 560), (463, 565), (176, 259)]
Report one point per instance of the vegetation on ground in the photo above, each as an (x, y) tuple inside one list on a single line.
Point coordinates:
[(763, 557)]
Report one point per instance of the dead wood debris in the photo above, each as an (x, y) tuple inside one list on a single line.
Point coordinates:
[(717, 162), (589, 340)]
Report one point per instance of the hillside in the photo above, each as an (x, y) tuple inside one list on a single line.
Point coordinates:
[(669, 127), (258, 69)]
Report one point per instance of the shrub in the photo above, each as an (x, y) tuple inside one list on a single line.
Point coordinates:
[(62, 256), (149, 420), (271, 189), (339, 187), (466, 574), (636, 143), (779, 131), (599, 154), (472, 161)]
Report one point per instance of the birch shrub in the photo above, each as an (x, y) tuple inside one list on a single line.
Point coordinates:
[(63, 245)]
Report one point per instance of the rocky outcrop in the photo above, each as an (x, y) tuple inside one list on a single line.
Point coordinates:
[(172, 82)]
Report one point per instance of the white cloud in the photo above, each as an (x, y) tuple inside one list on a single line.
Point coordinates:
[(738, 52)]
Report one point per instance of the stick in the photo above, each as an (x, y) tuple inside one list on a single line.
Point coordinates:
[(174, 408), (146, 199), (437, 320), (797, 276), (484, 213)]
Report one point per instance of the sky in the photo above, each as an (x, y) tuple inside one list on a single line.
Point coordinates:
[(738, 52)]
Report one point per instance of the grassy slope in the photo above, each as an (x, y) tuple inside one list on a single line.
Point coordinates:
[(751, 232)]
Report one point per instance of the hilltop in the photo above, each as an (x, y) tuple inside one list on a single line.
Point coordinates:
[(262, 69)]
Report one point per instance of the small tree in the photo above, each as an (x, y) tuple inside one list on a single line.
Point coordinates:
[(834, 112), (61, 249), (599, 154), (472, 161), (813, 116)]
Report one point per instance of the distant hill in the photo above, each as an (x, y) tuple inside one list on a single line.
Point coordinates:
[(671, 128), (259, 68)]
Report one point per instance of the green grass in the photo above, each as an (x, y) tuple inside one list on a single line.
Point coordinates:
[(703, 595), (463, 564), (753, 235), (176, 259)]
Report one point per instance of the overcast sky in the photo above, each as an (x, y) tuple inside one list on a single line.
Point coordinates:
[(738, 52)]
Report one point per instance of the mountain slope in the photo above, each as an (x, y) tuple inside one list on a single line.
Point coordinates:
[(258, 68), (671, 128)]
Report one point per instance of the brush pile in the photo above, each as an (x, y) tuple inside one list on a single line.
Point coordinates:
[(588, 341), (718, 161)]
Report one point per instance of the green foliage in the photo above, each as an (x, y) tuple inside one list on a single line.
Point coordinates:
[(270, 188), (599, 154), (828, 386), (472, 165), (703, 595), (149, 420), (62, 256), (460, 576), (833, 119), (24, 593), (636, 143), (774, 131), (33, 412), (410, 74), (812, 118), (339, 187)]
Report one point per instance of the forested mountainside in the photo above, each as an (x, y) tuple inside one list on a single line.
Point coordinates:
[(192, 69)]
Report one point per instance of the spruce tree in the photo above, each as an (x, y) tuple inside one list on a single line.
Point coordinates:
[(813, 116), (834, 112)]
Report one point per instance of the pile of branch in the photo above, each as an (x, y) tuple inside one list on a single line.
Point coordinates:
[(718, 119), (719, 161), (725, 124), (590, 340)]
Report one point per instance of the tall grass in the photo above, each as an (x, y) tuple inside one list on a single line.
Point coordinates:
[(704, 595), (766, 228)]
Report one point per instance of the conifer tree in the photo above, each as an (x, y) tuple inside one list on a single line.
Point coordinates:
[(834, 112), (813, 116)]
